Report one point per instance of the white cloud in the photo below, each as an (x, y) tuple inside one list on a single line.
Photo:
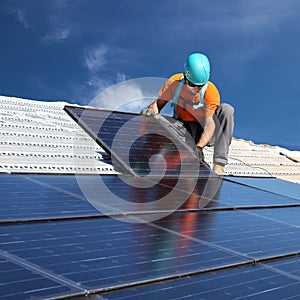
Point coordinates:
[(57, 34), (54, 17), (129, 95), (58, 30), (21, 15), (95, 85), (121, 77), (94, 58), (117, 95)]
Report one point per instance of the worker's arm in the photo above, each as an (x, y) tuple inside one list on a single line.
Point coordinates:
[(208, 132), (160, 103), (155, 107)]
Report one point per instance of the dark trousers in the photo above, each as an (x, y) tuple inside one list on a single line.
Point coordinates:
[(224, 121)]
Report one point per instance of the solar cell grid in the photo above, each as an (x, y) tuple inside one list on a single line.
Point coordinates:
[(273, 185), (140, 145), (229, 194), (106, 253), (22, 199), (243, 195), (46, 197), (290, 266), (240, 232), (18, 282), (241, 283), (288, 216)]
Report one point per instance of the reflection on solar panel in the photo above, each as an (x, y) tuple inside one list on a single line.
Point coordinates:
[(60, 197), (140, 145)]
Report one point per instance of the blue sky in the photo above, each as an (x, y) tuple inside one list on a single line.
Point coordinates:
[(71, 50)]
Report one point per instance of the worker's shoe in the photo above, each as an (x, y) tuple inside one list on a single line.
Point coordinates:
[(219, 169)]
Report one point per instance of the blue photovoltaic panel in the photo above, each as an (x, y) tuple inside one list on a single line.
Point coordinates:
[(22, 199), (141, 145), (240, 195), (288, 215), (241, 283), (222, 194), (106, 253), (290, 266), (274, 185), (34, 197), (186, 195), (103, 253), (18, 282), (241, 232)]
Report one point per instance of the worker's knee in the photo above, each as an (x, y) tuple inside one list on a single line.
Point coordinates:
[(226, 109)]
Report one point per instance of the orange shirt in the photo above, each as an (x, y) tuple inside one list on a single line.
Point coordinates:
[(184, 109)]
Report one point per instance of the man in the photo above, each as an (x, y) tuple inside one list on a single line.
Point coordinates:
[(197, 105)]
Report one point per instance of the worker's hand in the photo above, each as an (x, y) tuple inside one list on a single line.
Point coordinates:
[(148, 112), (199, 153)]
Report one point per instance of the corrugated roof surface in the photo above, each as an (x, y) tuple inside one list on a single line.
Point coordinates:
[(39, 137)]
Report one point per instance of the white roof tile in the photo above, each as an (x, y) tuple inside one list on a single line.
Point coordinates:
[(39, 137)]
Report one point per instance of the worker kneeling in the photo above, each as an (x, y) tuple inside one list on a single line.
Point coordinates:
[(196, 102)]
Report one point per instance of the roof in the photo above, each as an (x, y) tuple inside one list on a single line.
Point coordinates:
[(47, 137), (80, 230)]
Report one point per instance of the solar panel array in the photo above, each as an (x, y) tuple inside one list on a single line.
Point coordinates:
[(54, 244)]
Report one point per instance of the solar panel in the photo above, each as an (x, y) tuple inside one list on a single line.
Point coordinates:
[(64, 196), (224, 194), (289, 216), (105, 253), (289, 266), (251, 282), (61, 197), (19, 282), (274, 185), (242, 226), (143, 146), (246, 233), (23, 199), (244, 195)]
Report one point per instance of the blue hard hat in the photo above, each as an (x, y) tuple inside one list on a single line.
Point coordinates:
[(197, 68)]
